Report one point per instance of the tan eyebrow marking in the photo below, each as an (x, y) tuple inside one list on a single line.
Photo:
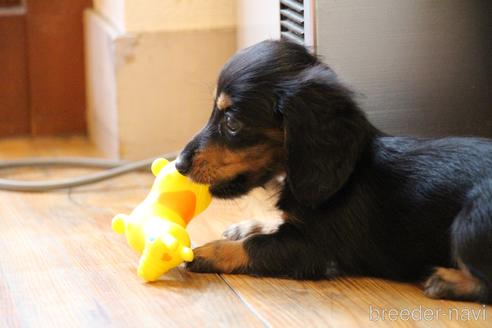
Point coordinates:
[(223, 101)]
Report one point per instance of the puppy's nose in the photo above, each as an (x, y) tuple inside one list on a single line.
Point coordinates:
[(183, 164)]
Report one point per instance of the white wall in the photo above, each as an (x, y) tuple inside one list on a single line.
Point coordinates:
[(102, 110), (258, 20), (113, 11)]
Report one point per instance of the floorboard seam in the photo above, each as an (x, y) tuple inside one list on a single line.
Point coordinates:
[(248, 306)]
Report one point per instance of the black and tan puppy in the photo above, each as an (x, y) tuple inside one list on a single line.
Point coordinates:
[(355, 201)]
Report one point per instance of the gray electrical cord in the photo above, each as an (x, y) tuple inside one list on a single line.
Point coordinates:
[(113, 169)]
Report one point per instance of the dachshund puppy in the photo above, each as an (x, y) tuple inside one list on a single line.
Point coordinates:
[(354, 200)]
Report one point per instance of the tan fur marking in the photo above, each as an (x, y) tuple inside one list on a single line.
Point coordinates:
[(223, 101), (216, 163), (225, 255), (463, 281)]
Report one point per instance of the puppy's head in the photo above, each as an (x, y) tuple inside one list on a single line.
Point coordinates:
[(277, 109)]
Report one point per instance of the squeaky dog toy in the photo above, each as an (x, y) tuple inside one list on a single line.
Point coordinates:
[(156, 227)]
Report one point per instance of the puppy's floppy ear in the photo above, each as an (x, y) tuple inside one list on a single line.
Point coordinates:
[(324, 134)]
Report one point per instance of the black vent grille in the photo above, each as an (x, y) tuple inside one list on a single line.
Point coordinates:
[(292, 21)]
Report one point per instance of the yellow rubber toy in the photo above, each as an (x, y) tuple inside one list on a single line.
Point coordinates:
[(156, 227)]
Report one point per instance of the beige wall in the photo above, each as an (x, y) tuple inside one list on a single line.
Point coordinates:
[(158, 15), (152, 68), (152, 15), (165, 88)]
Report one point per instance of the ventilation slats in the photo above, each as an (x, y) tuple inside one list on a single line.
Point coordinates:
[(292, 27), (292, 20), (297, 5), (292, 15), (292, 37)]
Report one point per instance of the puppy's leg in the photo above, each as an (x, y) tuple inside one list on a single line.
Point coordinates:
[(471, 236), (220, 256), (285, 253), (246, 228), (455, 284)]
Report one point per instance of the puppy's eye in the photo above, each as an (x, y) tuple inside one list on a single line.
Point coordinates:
[(232, 124)]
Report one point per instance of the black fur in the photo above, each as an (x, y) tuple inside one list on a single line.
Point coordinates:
[(357, 202)]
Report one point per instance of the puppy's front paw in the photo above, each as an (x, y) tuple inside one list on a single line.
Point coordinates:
[(453, 284), (437, 287), (220, 256)]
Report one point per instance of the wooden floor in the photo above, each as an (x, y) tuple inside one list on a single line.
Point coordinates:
[(61, 265)]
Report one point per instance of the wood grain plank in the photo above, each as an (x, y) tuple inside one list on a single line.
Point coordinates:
[(14, 86), (61, 265), (348, 302)]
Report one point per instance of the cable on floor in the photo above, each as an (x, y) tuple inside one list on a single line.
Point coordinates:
[(112, 168)]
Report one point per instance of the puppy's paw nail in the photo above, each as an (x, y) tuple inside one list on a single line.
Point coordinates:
[(200, 265)]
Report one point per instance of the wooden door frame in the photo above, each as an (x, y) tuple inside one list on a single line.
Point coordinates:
[(42, 51)]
